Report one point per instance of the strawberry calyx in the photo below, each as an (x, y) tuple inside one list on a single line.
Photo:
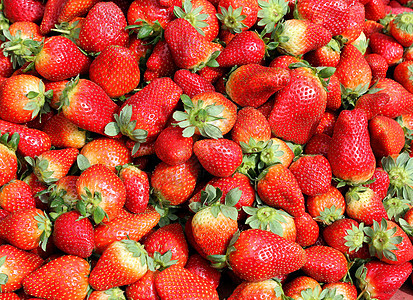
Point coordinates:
[(163, 208), (4, 22), (355, 237), (361, 43), (192, 15), (39, 103), (89, 206), (322, 73), (311, 294), (3, 277), (161, 261), (152, 33), (356, 193), (254, 146), (270, 154), (266, 218), (396, 207), (400, 174), (404, 22), (330, 214), (382, 241), (407, 228), (69, 30), (115, 294), (408, 132), (249, 164), (271, 13), (45, 225), (231, 19), (198, 116), (277, 36), (64, 97), (10, 142)]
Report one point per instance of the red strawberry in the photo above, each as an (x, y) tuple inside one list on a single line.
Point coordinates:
[(36, 224), (279, 188), (327, 123), (200, 266), (399, 28), (258, 81), (104, 26), (16, 264), (372, 104), (189, 284), (300, 284), (386, 136), (326, 56), (348, 290), (122, 263), (307, 230), (369, 27), (237, 15), (356, 22), (169, 238), (350, 154), (37, 186), (143, 288), (74, 235), (283, 61), (192, 50), (191, 83), (318, 144), (51, 13), (137, 188), (220, 157), (23, 10), (160, 63), (313, 174), (282, 256), (173, 148), (375, 10), (116, 70), (9, 296), (378, 66), (62, 195), (134, 226), (65, 278), (381, 182), (74, 8), (16, 195), (403, 74), (251, 290), (387, 47)]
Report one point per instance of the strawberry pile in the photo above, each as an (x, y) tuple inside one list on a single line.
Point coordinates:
[(206, 149)]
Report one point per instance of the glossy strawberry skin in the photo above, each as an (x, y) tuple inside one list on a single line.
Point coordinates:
[(386, 136), (387, 47), (202, 267), (23, 10), (191, 83), (16, 195)]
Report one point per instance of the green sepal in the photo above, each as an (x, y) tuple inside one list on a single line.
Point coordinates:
[(164, 208), (136, 249), (271, 13), (400, 174), (152, 33), (82, 162), (355, 237), (192, 15), (266, 218), (396, 207), (45, 225), (404, 22), (163, 261), (114, 294), (3, 277), (10, 142), (330, 214), (70, 31), (88, 205), (231, 19), (64, 100)]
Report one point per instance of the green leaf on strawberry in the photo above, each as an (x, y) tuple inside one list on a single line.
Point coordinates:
[(271, 13), (192, 15), (266, 218), (355, 237), (231, 19), (3, 277), (10, 141), (45, 225)]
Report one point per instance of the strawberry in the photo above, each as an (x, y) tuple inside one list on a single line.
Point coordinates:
[(399, 28), (16, 195), (122, 263), (219, 157), (378, 66), (348, 290), (169, 238), (326, 56), (209, 114), (137, 188), (37, 228), (299, 106), (9, 163), (200, 266), (389, 243), (62, 195), (74, 235), (22, 98), (380, 184), (23, 10), (26, 30), (307, 230), (299, 286), (104, 25), (297, 37), (144, 288), (116, 70), (9, 296), (400, 175), (403, 73), (283, 256), (372, 104), (355, 24), (375, 10), (364, 205), (262, 83), (369, 27), (270, 13), (60, 58), (326, 207), (327, 122), (237, 15), (15, 264), (380, 280), (386, 136), (350, 154), (333, 15), (51, 13), (36, 186), (192, 50), (81, 93), (272, 189), (63, 278), (113, 293), (313, 174), (176, 281), (191, 83), (283, 61), (353, 72), (160, 63), (106, 151), (245, 48), (102, 193), (74, 8), (63, 133), (134, 226), (387, 47), (251, 290), (172, 147)]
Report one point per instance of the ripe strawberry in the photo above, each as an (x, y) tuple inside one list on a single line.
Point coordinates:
[(375, 10), (262, 83), (326, 56), (270, 13), (200, 266), (283, 61), (102, 193), (65, 278), (355, 24), (313, 174), (23, 10), (327, 207), (74, 235), (298, 107), (116, 70), (378, 66), (9, 163), (22, 98), (346, 289), (364, 205), (169, 238), (81, 93), (106, 151), (176, 281), (36, 224), (380, 280), (191, 83), (327, 122), (369, 27), (51, 13), (386, 136), (237, 15), (15, 264), (74, 8), (272, 189), (387, 47), (143, 288), (16, 195), (381, 182), (113, 293), (209, 114), (403, 73), (192, 50), (372, 104), (63, 133), (252, 290), (160, 63), (26, 30), (122, 263), (307, 230), (299, 286), (137, 188), (333, 15), (9, 296), (219, 157), (318, 144), (283, 256), (172, 147), (104, 26), (350, 154), (297, 37), (62, 196), (399, 28), (37, 186)]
